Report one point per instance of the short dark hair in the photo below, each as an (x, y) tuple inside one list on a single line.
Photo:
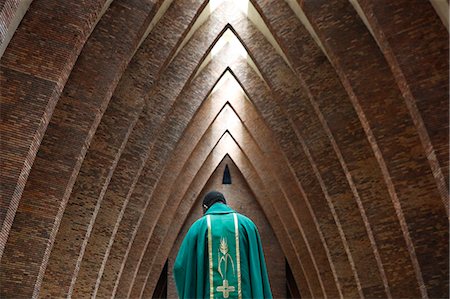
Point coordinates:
[(211, 198)]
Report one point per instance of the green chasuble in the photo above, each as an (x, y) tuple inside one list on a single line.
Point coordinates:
[(222, 257)]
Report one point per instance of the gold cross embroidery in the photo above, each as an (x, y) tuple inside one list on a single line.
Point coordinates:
[(225, 289)]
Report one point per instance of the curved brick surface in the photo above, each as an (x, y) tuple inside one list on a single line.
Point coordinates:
[(132, 161), (65, 143), (107, 144), (218, 123), (34, 69), (413, 41), (396, 143)]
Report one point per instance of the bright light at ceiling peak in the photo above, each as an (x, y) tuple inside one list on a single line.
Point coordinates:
[(241, 4), (230, 38), (228, 81)]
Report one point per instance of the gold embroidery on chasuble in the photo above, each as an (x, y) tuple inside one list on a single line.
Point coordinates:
[(224, 256)]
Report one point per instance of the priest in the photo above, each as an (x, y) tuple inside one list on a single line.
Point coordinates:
[(221, 256)]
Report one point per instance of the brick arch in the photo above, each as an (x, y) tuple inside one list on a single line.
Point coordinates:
[(96, 256), (133, 157), (128, 266), (333, 103), (37, 84), (185, 204), (107, 145), (371, 180), (189, 169), (396, 143)]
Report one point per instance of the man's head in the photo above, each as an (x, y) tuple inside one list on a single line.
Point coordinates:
[(211, 198)]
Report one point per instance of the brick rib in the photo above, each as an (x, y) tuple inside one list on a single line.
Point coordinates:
[(130, 166), (85, 97), (32, 80), (148, 217), (113, 131), (413, 41), (214, 132), (393, 137), (199, 179)]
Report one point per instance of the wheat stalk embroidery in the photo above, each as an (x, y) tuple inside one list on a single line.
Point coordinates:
[(224, 257)]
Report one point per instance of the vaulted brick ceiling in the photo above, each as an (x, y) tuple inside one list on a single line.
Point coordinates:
[(114, 115)]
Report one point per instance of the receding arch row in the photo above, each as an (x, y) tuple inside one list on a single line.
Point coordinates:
[(179, 216), (187, 177), (397, 208), (109, 142), (210, 144), (71, 150), (125, 268)]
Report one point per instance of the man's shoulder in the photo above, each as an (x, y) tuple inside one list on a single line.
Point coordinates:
[(245, 221), (199, 223)]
